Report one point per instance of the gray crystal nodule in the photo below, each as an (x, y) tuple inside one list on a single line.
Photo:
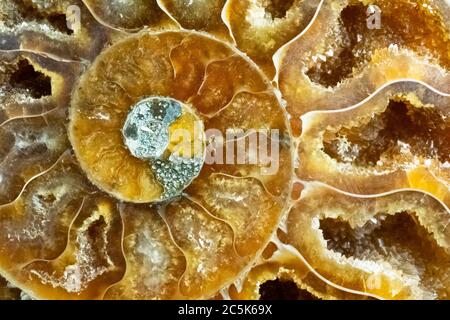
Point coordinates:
[(146, 129), (146, 134)]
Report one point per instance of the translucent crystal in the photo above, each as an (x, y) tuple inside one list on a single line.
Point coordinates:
[(146, 130), (176, 173)]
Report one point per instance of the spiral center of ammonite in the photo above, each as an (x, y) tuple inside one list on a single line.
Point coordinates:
[(146, 130), (147, 152), (168, 135)]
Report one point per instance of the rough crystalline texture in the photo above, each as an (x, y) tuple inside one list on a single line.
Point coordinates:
[(339, 61), (394, 246), (396, 139), (63, 29), (34, 91), (261, 27), (283, 274), (363, 216), (190, 68), (67, 236)]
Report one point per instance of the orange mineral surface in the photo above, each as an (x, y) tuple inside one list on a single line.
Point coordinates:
[(224, 149)]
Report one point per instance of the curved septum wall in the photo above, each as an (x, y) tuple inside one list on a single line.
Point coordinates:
[(107, 188)]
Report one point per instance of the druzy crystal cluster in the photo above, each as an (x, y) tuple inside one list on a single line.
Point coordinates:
[(102, 196)]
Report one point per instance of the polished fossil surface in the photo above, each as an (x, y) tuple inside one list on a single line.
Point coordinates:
[(101, 198)]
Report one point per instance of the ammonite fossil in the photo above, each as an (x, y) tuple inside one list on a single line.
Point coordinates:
[(256, 149)]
